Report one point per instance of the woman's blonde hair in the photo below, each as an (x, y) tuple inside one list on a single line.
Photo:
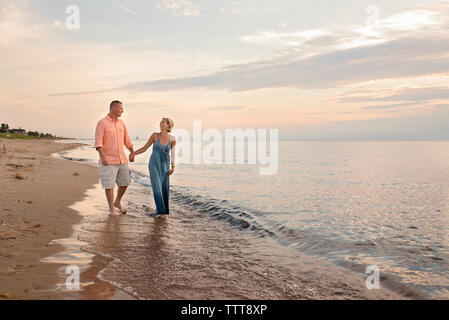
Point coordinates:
[(170, 123)]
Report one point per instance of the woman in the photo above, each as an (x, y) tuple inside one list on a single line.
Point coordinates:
[(159, 165)]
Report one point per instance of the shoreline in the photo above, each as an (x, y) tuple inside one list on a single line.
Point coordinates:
[(35, 211), (35, 279)]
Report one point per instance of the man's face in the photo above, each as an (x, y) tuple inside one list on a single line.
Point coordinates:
[(117, 109)]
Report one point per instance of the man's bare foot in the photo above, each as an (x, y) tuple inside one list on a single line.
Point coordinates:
[(164, 216), (119, 206), (112, 213)]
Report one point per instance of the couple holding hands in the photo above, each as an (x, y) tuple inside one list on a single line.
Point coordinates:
[(111, 136)]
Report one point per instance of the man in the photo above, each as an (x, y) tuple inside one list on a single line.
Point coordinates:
[(111, 136)]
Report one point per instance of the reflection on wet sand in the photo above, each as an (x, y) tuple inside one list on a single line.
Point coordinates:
[(110, 231), (89, 264), (192, 256)]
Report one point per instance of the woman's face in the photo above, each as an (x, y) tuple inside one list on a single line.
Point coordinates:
[(163, 125)]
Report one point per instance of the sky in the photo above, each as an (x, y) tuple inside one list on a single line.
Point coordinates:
[(323, 69)]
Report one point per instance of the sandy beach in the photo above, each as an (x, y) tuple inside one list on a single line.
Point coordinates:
[(36, 192), (186, 257)]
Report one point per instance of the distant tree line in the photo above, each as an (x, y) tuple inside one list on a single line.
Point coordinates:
[(5, 129), (41, 135)]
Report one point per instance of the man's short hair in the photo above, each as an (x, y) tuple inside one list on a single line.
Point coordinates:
[(113, 103)]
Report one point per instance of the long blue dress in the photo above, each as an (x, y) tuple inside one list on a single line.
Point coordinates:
[(159, 166)]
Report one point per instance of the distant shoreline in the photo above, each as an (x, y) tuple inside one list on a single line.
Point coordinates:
[(5, 135)]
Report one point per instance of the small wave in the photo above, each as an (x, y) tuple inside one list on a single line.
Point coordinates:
[(218, 209), (127, 289), (113, 262), (74, 159), (235, 215), (64, 155)]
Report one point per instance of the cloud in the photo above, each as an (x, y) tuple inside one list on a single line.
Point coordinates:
[(328, 59), (79, 93), (382, 30), (402, 58), (416, 127), (442, 106), (233, 9), (146, 104), (388, 106), (404, 46), (17, 24), (417, 95), (227, 108), (180, 7), (286, 38)]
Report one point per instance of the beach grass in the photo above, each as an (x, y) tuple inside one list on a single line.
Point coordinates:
[(23, 136), (15, 136)]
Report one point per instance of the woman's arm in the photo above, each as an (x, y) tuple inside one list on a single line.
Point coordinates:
[(173, 152), (146, 146), (172, 156)]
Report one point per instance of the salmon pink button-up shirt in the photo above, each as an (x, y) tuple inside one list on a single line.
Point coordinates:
[(112, 136)]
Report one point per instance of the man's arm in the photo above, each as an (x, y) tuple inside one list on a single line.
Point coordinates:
[(99, 135), (102, 157), (128, 144)]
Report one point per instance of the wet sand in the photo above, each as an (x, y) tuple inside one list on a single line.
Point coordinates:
[(192, 256), (34, 211), (48, 220)]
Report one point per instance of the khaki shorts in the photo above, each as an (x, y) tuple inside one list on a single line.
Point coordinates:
[(114, 173)]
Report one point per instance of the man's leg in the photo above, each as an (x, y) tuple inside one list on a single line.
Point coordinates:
[(117, 203), (123, 180), (107, 177), (110, 197)]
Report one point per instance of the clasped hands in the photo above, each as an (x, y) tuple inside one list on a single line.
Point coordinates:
[(132, 155)]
